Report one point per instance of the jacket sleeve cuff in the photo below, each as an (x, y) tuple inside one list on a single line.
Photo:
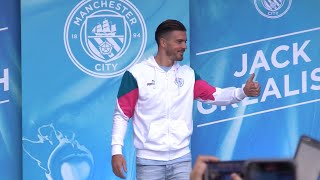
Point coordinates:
[(116, 149), (240, 94)]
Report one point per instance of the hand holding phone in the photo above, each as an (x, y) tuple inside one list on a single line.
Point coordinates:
[(200, 167)]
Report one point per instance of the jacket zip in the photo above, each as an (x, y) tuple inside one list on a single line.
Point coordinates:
[(168, 110)]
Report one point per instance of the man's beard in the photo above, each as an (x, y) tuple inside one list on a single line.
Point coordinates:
[(176, 56)]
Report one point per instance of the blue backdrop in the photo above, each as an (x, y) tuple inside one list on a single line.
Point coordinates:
[(71, 79), (10, 91), (276, 40)]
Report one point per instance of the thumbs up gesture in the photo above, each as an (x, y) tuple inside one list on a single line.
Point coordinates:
[(252, 89)]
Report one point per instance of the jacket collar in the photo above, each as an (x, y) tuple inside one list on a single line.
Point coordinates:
[(152, 62)]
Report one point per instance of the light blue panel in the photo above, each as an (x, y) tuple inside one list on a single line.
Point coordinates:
[(278, 40), (70, 83), (10, 91)]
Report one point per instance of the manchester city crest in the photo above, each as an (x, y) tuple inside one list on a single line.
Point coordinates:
[(105, 38), (179, 82), (272, 8)]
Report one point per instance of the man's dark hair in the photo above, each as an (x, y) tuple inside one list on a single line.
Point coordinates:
[(168, 26)]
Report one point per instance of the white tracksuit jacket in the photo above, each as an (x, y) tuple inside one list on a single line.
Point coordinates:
[(160, 104)]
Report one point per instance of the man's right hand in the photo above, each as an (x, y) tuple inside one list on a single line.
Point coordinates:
[(118, 162)]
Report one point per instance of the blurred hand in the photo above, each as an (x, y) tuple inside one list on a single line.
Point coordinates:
[(235, 176), (252, 89), (119, 163), (200, 166)]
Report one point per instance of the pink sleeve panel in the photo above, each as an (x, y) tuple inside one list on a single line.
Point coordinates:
[(203, 90), (128, 102)]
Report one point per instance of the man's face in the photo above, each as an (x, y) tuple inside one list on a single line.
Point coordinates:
[(175, 45)]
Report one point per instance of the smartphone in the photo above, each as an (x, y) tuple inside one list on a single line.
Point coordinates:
[(270, 170), (307, 158), (222, 170)]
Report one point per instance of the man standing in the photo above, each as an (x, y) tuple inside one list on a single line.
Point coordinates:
[(158, 95)]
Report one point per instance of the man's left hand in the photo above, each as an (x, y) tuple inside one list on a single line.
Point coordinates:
[(252, 89)]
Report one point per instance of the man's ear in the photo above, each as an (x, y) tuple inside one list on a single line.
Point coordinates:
[(163, 42)]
